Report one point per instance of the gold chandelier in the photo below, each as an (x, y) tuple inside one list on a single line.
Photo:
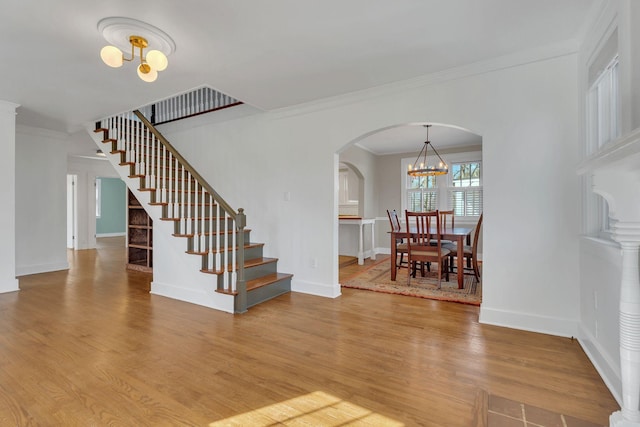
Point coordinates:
[(149, 66), (124, 32), (421, 168)]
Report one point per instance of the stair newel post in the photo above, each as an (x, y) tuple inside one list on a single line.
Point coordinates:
[(241, 284)]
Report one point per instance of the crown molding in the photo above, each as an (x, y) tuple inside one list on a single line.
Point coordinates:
[(548, 52)]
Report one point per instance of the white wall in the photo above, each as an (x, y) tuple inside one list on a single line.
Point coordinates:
[(527, 116), (8, 282), (41, 164)]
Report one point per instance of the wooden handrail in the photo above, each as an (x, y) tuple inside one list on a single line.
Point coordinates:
[(227, 208)]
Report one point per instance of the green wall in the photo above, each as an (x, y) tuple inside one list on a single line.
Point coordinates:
[(113, 206)]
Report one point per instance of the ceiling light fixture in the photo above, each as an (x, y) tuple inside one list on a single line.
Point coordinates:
[(421, 167), (125, 34)]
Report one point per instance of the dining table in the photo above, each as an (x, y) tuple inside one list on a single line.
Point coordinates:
[(460, 235)]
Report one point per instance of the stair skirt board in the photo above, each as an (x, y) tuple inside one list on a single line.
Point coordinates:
[(211, 299)]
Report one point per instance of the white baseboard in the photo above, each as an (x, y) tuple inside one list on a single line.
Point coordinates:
[(41, 268), (9, 285), (124, 233), (211, 299), (603, 362), (318, 289), (529, 322)]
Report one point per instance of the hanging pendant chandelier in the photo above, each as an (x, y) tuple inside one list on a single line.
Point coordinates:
[(421, 168)]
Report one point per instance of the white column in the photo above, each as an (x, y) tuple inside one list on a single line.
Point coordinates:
[(628, 235), (8, 281), (618, 185)]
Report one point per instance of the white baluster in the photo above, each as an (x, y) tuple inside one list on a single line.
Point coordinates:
[(210, 219), (226, 254), (163, 174), (189, 205), (171, 187), (201, 94), (154, 161), (203, 224), (218, 248)]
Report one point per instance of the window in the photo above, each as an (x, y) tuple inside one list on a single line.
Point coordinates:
[(459, 190), (602, 107), (465, 193), (422, 193), (602, 124)]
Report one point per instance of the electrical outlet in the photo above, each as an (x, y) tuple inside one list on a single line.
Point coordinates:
[(314, 262)]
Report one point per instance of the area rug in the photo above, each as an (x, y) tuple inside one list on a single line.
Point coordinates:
[(378, 279)]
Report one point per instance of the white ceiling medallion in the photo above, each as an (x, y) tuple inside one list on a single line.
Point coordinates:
[(116, 30), (126, 33)]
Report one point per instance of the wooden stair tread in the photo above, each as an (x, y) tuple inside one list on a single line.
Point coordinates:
[(260, 282)]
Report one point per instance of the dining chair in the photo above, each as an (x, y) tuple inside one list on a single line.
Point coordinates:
[(425, 246), (470, 254), (447, 219), (401, 246)]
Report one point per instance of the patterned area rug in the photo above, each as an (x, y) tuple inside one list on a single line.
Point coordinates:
[(378, 279)]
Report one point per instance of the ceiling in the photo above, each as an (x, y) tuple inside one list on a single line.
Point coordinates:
[(269, 54)]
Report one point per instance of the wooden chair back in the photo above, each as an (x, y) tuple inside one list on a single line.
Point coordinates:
[(393, 220), (425, 244), (420, 224), (476, 237), (447, 219)]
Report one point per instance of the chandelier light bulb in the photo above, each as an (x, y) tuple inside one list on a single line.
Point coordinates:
[(146, 73), (157, 60), (112, 56)]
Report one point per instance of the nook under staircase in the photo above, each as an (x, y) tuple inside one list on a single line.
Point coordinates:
[(172, 191)]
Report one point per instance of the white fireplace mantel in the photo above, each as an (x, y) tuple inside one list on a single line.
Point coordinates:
[(616, 177)]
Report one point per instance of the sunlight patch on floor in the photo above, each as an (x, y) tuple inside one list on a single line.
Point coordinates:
[(317, 408)]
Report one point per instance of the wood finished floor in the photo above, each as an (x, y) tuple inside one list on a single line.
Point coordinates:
[(91, 347)]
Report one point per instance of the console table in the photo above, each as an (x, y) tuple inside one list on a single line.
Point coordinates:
[(361, 222)]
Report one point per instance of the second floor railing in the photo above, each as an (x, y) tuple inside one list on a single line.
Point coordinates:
[(189, 104)]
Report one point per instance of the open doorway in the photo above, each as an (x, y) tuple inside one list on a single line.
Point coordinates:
[(383, 156), (111, 212)]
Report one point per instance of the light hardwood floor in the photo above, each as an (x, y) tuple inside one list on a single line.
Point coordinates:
[(91, 346)]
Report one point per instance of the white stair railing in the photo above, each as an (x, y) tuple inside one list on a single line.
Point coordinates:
[(187, 199)]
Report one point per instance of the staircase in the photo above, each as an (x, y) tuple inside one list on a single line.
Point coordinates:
[(210, 228)]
